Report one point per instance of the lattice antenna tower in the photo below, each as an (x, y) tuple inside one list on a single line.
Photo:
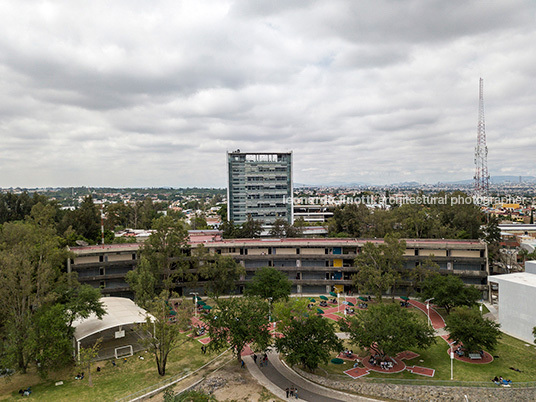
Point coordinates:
[(481, 150)]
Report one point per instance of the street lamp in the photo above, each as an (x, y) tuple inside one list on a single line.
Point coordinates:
[(428, 309), (195, 306), (270, 311), (451, 361)]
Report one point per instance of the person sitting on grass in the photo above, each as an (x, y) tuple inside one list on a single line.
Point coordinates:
[(504, 381)]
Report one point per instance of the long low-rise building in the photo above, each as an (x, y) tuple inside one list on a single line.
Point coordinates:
[(314, 265)]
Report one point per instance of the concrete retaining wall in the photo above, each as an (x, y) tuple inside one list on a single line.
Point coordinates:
[(400, 392)]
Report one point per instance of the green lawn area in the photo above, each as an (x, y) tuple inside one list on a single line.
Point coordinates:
[(511, 352), (111, 383)]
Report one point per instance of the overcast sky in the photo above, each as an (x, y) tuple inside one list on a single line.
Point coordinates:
[(153, 93)]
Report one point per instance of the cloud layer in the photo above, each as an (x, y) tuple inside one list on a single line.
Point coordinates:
[(136, 93)]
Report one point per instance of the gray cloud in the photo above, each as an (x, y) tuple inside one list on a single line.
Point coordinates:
[(131, 93)]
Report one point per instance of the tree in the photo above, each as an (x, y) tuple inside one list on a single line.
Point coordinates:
[(237, 322), (165, 335), (468, 327), (449, 291), (251, 228), (492, 236), (278, 228), (420, 273), (378, 265), (117, 216), (166, 249), (349, 220), (285, 311), (282, 228), (308, 341), (221, 275), (229, 229), (387, 329), (269, 282), (86, 356), (38, 299), (87, 220), (198, 222), (143, 282)]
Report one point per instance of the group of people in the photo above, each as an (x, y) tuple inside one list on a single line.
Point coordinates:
[(383, 364), (323, 303), (25, 392), (292, 392), (459, 351), (501, 381), (348, 353), (264, 359), (200, 330), (362, 305), (349, 310), (79, 376), (404, 304)]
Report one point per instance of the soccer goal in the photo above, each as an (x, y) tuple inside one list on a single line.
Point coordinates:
[(124, 351)]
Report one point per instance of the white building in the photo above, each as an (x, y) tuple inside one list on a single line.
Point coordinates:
[(516, 293)]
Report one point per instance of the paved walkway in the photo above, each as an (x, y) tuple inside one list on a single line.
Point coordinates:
[(276, 377), (439, 326)]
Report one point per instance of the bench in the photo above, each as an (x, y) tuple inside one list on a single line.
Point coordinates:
[(475, 356)]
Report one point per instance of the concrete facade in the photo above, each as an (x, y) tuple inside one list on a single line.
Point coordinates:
[(516, 293), (260, 186), (313, 265)]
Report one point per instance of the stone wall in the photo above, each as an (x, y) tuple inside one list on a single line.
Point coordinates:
[(400, 392)]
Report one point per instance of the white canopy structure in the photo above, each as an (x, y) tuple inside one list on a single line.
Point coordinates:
[(120, 312)]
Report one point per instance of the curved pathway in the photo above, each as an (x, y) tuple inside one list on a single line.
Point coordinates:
[(439, 325), (277, 377)]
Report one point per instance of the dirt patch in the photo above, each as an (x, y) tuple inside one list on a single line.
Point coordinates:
[(231, 383)]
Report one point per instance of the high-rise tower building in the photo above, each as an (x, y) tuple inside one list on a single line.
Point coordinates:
[(260, 186)]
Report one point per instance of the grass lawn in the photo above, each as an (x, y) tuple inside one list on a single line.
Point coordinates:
[(111, 383), (512, 352)]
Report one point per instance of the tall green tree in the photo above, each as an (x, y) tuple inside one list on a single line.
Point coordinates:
[(143, 282), (387, 329), (287, 310), (250, 229), (308, 341), (268, 282), (420, 273), (117, 216), (86, 357), (378, 266), (87, 220), (467, 326), (166, 335), (239, 321), (37, 298), (221, 275), (449, 291), (349, 220), (167, 249)]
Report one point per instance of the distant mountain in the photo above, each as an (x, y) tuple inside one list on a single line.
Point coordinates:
[(496, 180), (333, 184), (512, 179), (467, 182), (406, 184)]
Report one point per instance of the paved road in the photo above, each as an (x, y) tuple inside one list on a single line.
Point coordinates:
[(277, 377)]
